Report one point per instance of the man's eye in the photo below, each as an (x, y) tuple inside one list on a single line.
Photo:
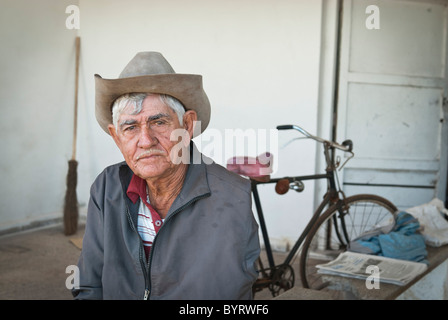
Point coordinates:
[(158, 123), (130, 128)]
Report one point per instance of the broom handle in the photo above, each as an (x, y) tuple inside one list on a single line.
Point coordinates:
[(75, 126)]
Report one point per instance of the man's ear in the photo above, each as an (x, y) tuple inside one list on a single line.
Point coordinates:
[(190, 117), (114, 135)]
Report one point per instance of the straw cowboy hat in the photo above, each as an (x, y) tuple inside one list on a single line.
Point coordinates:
[(150, 72)]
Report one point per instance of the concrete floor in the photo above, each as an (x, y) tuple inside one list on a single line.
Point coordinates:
[(33, 264), (33, 267)]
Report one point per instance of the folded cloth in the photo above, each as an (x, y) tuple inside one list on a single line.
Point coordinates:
[(401, 240), (433, 218), (406, 247)]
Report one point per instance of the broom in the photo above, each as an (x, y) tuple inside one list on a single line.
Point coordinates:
[(71, 201)]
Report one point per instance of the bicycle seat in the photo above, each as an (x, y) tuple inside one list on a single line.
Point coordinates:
[(256, 168)]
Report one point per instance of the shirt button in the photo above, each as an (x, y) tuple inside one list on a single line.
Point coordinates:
[(158, 223)]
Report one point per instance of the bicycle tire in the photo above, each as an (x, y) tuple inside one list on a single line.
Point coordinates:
[(364, 212)]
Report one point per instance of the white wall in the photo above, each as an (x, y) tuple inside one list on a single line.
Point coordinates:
[(259, 59), (37, 100)]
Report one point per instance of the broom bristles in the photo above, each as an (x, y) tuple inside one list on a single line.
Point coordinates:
[(71, 201)]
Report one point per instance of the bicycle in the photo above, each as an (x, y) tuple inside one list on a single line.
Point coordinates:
[(336, 221)]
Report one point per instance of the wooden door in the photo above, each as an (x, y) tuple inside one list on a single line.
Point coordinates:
[(392, 99)]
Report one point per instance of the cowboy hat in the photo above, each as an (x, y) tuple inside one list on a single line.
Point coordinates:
[(150, 72)]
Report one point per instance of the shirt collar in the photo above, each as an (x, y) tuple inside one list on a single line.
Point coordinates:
[(196, 180), (136, 189)]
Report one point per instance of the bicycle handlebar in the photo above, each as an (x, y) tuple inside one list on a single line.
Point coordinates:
[(347, 145)]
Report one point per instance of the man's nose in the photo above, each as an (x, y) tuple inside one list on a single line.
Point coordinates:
[(147, 138)]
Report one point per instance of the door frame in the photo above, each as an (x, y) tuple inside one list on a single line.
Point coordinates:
[(334, 79)]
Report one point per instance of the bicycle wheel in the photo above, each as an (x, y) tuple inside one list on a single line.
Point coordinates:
[(337, 226)]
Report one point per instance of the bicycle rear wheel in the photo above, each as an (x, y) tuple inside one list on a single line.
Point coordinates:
[(338, 225)]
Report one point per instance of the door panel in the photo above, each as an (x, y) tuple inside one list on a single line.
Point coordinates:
[(410, 40), (391, 91), (399, 120), (401, 196)]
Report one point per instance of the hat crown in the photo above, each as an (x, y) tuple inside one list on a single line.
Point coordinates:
[(146, 63), (150, 72)]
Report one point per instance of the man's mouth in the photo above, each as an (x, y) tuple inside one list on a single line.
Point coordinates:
[(149, 153)]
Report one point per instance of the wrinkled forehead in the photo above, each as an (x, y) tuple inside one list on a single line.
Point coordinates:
[(149, 112), (152, 104), (151, 101)]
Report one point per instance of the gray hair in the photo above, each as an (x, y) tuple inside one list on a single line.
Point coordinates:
[(136, 100)]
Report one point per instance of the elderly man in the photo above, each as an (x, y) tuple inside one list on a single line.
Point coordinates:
[(157, 227)]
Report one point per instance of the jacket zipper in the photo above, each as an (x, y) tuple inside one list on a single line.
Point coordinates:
[(142, 261), (148, 276), (146, 296)]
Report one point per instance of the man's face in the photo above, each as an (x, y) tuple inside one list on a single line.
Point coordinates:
[(144, 138)]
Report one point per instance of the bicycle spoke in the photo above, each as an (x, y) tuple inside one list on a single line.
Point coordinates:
[(324, 242)]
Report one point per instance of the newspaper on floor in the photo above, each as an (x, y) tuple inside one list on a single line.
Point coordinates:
[(362, 266)]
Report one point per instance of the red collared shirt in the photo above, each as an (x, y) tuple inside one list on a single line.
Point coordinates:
[(149, 221)]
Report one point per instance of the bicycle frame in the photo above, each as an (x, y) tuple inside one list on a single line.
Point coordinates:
[(330, 197)]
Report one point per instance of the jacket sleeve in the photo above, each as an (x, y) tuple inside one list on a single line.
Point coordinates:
[(90, 263), (251, 254)]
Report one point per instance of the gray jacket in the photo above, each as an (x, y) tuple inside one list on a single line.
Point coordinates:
[(206, 248)]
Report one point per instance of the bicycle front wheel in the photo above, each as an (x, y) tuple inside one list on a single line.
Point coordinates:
[(338, 225)]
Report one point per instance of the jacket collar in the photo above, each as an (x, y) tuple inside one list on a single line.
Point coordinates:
[(195, 184)]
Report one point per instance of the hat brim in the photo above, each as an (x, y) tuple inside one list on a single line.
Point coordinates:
[(187, 88)]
